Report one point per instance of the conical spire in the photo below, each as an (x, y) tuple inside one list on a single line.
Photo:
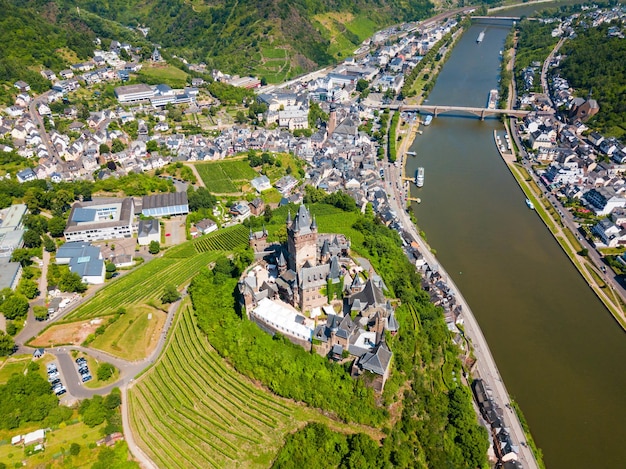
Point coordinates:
[(264, 230), (289, 217), (314, 223), (251, 235)]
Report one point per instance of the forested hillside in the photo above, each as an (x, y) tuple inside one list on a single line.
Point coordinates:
[(272, 38), (33, 35), (596, 64)]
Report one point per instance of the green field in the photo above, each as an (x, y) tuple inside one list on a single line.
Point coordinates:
[(12, 365), (168, 74), (273, 53), (191, 410), (133, 335), (146, 283), (226, 176), (362, 26), (57, 442)]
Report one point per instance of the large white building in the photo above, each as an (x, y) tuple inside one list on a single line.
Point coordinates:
[(100, 219), (134, 93)]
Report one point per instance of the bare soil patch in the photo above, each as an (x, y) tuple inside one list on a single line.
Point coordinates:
[(73, 333)]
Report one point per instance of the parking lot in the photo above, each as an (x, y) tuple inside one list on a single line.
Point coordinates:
[(54, 378), (83, 369)]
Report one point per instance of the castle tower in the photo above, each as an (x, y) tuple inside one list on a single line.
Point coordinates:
[(301, 239)]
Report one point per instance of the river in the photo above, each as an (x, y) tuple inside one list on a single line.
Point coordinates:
[(558, 349)]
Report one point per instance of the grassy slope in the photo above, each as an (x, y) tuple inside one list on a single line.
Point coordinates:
[(133, 336)]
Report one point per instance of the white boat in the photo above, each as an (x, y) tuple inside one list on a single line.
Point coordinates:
[(530, 204), (480, 37), (428, 119), (419, 177), (492, 99)]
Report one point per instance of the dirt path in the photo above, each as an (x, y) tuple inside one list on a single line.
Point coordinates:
[(196, 173), (137, 452)]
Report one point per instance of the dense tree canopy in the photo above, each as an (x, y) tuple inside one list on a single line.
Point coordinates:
[(595, 64), (28, 398)]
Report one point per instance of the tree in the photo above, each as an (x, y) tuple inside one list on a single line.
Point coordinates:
[(154, 247), (152, 145), (11, 328), (170, 295), (113, 400), (117, 145), (48, 244), (23, 256), (361, 85), (74, 449), (71, 282), (110, 269), (28, 288), (16, 306), (267, 215), (32, 239), (104, 148), (200, 198), (36, 223), (105, 371), (240, 118), (6, 344), (40, 312), (56, 226)]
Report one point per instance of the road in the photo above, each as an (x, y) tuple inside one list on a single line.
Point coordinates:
[(544, 70), (128, 370), (486, 367), (32, 108)]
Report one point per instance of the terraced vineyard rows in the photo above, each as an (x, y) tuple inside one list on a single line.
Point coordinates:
[(225, 240), (176, 267), (191, 410), (142, 285)]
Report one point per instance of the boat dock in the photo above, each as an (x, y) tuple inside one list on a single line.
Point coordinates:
[(504, 147)]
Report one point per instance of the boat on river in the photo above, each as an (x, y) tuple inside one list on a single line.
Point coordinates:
[(419, 177), (530, 204), (428, 119), (492, 99), (480, 37)]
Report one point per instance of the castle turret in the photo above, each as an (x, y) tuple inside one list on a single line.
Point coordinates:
[(302, 240)]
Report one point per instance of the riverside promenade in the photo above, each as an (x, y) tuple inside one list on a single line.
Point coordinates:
[(486, 368)]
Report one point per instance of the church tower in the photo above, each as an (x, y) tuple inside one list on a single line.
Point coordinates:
[(332, 119), (301, 239)]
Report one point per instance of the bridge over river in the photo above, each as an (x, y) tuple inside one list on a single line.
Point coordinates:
[(435, 110)]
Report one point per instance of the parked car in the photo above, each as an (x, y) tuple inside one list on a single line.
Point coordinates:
[(86, 377), (80, 360)]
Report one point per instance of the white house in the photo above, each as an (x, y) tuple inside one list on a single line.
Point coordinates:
[(149, 230)]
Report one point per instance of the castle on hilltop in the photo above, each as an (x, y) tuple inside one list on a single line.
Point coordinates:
[(312, 292)]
